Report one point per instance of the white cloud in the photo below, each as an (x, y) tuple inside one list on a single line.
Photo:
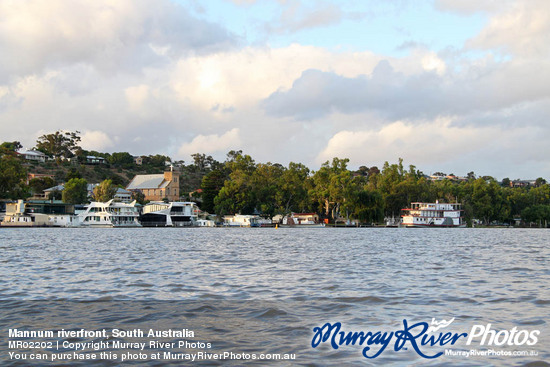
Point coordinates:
[(431, 62), (110, 34), (212, 143), (439, 145), (96, 140), (472, 6), (435, 142), (522, 29), (137, 96)]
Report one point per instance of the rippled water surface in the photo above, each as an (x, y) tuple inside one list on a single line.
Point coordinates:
[(267, 288)]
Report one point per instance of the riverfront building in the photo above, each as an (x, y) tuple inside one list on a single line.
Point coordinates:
[(157, 187)]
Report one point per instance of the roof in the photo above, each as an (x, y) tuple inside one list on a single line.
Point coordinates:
[(147, 182), (58, 187), (35, 152)]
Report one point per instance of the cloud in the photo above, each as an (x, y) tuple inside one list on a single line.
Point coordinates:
[(316, 94), (468, 7), (211, 143), (137, 96), (431, 141), (111, 35), (485, 87), (440, 145), (243, 2), (522, 29), (297, 16), (96, 140), (165, 82)]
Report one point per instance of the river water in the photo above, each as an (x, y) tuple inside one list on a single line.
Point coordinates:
[(258, 291)]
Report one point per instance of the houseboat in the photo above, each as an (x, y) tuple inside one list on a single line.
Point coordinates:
[(43, 213), (58, 213), (239, 220), (172, 214), (432, 215), (17, 217), (302, 220), (110, 214)]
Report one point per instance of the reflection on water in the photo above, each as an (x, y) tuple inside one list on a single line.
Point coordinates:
[(265, 289)]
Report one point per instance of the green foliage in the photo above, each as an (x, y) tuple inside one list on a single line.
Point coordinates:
[(12, 176), (59, 144), (538, 214), (156, 162), (121, 159), (76, 191), (73, 173), (237, 196), (10, 147), (204, 163), (368, 206), (39, 184), (105, 191), (294, 185), (55, 195), (139, 197), (211, 185), (331, 186)]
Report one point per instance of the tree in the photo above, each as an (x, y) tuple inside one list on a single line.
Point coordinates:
[(76, 191), (505, 182), (73, 173), (266, 183), (204, 163), (156, 161), (387, 182), (10, 147), (12, 176), (236, 195), (368, 206), (59, 144), (294, 185), (211, 185), (121, 159), (139, 197), (40, 184), (539, 182), (539, 214), (331, 186), (55, 195), (105, 191)]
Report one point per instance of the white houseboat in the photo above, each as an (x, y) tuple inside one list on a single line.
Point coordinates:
[(172, 214), (110, 214), (302, 220), (432, 215), (240, 220)]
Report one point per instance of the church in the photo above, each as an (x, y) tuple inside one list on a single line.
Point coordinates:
[(157, 187)]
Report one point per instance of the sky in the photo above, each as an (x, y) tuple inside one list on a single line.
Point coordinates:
[(449, 86)]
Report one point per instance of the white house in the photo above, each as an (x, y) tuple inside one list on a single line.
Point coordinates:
[(35, 155)]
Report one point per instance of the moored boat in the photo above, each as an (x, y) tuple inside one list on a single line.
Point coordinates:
[(171, 214), (432, 215), (110, 214), (302, 220)]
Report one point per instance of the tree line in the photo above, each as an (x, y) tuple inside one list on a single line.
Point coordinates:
[(335, 192), (367, 195)]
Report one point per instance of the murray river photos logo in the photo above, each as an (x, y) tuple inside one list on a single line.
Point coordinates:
[(424, 338)]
